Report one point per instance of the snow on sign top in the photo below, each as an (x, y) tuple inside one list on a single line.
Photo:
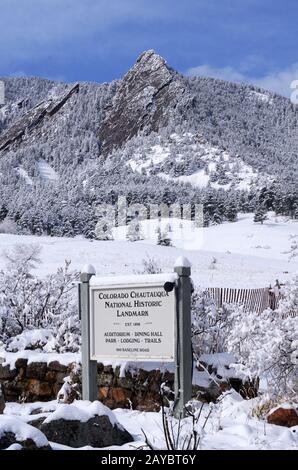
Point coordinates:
[(88, 269), (183, 262), (137, 279)]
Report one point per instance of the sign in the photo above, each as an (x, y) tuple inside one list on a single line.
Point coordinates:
[(133, 322)]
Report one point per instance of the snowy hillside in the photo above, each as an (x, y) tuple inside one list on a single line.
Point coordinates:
[(144, 136), (189, 158)]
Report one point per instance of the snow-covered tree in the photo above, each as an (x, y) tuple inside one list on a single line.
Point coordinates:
[(260, 214), (28, 303), (210, 325), (266, 345)]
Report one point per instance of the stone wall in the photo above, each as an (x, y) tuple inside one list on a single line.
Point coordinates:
[(135, 388), (39, 381)]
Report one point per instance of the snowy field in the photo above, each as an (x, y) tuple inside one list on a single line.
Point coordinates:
[(247, 254)]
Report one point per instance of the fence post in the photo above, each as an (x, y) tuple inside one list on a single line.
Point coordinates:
[(89, 368), (183, 355)]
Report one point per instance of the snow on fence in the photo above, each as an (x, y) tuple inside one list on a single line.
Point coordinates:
[(253, 300)]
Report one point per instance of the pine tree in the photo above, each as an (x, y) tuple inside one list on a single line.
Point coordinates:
[(231, 212), (260, 214)]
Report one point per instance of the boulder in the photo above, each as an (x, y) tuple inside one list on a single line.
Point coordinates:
[(78, 425), (283, 417), (14, 431)]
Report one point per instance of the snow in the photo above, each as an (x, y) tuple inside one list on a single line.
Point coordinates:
[(15, 447), (246, 176), (88, 269), (198, 179), (183, 262), (248, 255), (156, 155), (81, 411), (223, 363), (35, 356), (265, 97), (231, 424), (230, 427), (154, 279), (22, 431), (218, 359), (242, 175), (28, 338), (23, 173), (46, 171)]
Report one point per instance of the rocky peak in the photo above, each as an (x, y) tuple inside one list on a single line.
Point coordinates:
[(35, 116), (145, 98)]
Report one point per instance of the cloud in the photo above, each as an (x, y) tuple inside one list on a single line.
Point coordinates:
[(276, 81), (224, 73), (280, 82)]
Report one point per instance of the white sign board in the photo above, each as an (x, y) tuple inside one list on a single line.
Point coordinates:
[(133, 322)]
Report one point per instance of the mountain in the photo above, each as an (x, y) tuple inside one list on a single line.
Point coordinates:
[(154, 136), (146, 98)]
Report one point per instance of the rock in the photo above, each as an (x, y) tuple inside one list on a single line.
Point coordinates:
[(78, 429), (6, 373), (51, 376), (39, 389), (145, 99), (105, 379), (21, 363), (14, 431), (34, 117), (57, 367), (103, 393), (121, 397), (36, 370), (283, 417)]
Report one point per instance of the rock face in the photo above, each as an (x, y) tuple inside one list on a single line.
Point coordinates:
[(70, 427), (145, 98), (34, 117), (283, 417)]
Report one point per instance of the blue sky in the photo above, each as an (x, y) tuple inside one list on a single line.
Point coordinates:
[(98, 40)]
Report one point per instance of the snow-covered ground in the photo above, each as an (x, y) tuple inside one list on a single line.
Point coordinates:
[(247, 254), (231, 425)]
